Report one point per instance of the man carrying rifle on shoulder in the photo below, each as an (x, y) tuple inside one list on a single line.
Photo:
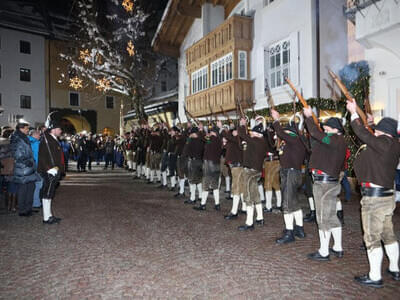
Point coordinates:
[(375, 168)]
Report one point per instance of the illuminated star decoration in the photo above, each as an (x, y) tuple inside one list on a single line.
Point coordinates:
[(103, 85), (128, 5), (75, 83), (130, 48), (84, 56)]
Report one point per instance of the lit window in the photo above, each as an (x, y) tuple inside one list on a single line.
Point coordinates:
[(25, 101), (242, 65), (279, 63), (200, 80), (221, 70)]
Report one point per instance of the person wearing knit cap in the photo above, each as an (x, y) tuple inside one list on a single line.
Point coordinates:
[(195, 148), (291, 160), (211, 168), (326, 162), (253, 157), (375, 168)]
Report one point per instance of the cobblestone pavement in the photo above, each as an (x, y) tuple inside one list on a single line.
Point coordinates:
[(121, 238)]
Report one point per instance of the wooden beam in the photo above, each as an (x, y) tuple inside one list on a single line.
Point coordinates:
[(188, 10)]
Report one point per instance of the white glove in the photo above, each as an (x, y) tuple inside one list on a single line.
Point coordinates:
[(52, 171)]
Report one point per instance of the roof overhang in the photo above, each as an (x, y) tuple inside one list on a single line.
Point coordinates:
[(177, 20)]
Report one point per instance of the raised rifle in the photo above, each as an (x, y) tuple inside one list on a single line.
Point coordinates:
[(303, 102), (241, 113), (189, 116), (271, 105), (349, 97)]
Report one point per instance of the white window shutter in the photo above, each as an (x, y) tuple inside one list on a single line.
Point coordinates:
[(294, 57)]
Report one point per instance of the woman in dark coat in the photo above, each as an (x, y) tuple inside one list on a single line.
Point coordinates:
[(24, 168)]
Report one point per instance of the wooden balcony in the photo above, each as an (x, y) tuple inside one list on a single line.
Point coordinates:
[(232, 36), (223, 95)]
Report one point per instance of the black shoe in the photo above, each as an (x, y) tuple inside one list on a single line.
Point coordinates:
[(161, 186), (277, 209), (310, 217), (242, 211), (395, 275), (217, 207), (318, 257), (339, 214), (299, 232), (365, 280), (288, 237), (172, 189), (25, 214), (338, 254), (178, 195), (260, 222), (201, 207), (51, 220), (227, 192), (189, 201), (246, 227), (57, 219), (230, 216), (267, 210), (229, 198)]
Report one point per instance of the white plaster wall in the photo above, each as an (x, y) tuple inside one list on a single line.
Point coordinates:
[(195, 33), (11, 87), (279, 20), (212, 16)]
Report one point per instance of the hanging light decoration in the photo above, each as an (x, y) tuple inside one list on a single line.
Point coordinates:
[(128, 5), (84, 56), (75, 83), (130, 48), (103, 85)]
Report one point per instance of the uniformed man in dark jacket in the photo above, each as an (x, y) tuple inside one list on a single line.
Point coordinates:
[(326, 162), (375, 168)]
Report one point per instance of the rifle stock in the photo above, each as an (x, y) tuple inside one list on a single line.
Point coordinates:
[(301, 99), (349, 97)]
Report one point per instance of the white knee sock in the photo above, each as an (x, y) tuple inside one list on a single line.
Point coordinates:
[(244, 206), (278, 198), (227, 183), (250, 215), (159, 175), (311, 202), (138, 171), (147, 173), (288, 218), (129, 164), (298, 217), (164, 178), (338, 205), (46, 209), (261, 192), (259, 211), (152, 175), (235, 204), (375, 257), (192, 188), (337, 238), (324, 237), (199, 188), (204, 196), (392, 251), (268, 198), (216, 196), (182, 186), (133, 165), (173, 181)]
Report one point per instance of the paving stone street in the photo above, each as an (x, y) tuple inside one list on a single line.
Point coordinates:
[(121, 238)]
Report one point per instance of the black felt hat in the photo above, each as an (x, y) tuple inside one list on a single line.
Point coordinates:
[(53, 120), (388, 125), (335, 123), (258, 128), (194, 130)]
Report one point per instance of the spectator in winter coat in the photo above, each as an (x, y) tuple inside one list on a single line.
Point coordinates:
[(24, 168), (34, 138)]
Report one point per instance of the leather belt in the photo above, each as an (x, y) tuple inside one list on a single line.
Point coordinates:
[(324, 178), (272, 158), (376, 192), (235, 165)]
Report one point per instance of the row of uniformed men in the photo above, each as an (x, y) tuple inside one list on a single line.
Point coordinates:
[(196, 155)]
